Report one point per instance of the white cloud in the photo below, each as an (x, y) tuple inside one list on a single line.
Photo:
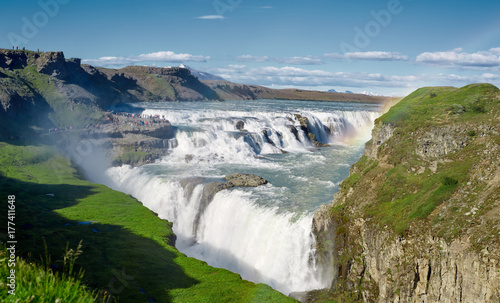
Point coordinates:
[(170, 56), (237, 66), (309, 60), (454, 79), (290, 76), (250, 58), (489, 60), (375, 55), (495, 50), (490, 77), (164, 56), (211, 17), (294, 76)]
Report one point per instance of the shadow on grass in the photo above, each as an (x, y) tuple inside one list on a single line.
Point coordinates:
[(130, 267)]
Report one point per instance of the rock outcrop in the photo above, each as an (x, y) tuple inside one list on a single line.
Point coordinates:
[(245, 180), (306, 128), (53, 64)]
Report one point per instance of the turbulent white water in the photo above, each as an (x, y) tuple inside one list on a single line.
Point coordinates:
[(262, 233)]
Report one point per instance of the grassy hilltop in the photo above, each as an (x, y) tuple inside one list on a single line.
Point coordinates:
[(443, 149)]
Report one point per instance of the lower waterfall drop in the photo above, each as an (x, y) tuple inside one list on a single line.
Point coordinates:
[(262, 233)]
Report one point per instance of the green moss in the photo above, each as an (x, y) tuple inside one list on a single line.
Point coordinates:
[(471, 133), (131, 157)]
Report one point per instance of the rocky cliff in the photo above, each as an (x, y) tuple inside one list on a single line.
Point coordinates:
[(66, 93), (417, 220)]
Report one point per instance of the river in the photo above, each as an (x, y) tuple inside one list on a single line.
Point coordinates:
[(262, 233)]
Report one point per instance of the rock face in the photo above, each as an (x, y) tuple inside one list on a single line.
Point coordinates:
[(153, 84), (52, 64), (439, 142), (416, 268), (240, 125), (380, 134), (76, 95), (306, 128), (380, 246)]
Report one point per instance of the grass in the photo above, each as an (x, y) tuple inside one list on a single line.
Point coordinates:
[(418, 108), (125, 249), (34, 283), (404, 190), (159, 86)]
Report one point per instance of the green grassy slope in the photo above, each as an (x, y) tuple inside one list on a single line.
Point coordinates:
[(408, 184), (126, 249), (62, 112)]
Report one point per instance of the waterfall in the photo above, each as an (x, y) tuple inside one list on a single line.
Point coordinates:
[(262, 233)]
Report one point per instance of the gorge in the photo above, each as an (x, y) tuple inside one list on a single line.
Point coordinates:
[(415, 218)]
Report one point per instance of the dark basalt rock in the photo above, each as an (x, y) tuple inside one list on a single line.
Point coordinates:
[(53, 64), (240, 125)]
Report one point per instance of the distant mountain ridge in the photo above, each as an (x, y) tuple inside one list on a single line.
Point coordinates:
[(347, 92)]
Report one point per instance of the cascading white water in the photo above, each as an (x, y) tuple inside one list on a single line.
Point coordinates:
[(263, 233)]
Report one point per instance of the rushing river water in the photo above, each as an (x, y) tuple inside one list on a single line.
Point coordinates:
[(262, 233)]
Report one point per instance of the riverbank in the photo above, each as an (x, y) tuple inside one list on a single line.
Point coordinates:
[(127, 249)]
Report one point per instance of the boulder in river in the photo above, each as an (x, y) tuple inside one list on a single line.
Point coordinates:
[(248, 180)]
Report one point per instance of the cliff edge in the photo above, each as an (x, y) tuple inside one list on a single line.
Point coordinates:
[(417, 220)]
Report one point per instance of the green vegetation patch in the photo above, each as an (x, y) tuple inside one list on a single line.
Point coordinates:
[(159, 86), (131, 157), (65, 113), (405, 188), (126, 251), (430, 105), (36, 283)]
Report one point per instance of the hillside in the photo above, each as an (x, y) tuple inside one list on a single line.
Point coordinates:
[(417, 220), (233, 91)]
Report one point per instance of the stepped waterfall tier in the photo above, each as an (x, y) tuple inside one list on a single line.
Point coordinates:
[(264, 233)]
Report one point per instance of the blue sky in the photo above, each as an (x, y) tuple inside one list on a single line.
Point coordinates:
[(386, 47)]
